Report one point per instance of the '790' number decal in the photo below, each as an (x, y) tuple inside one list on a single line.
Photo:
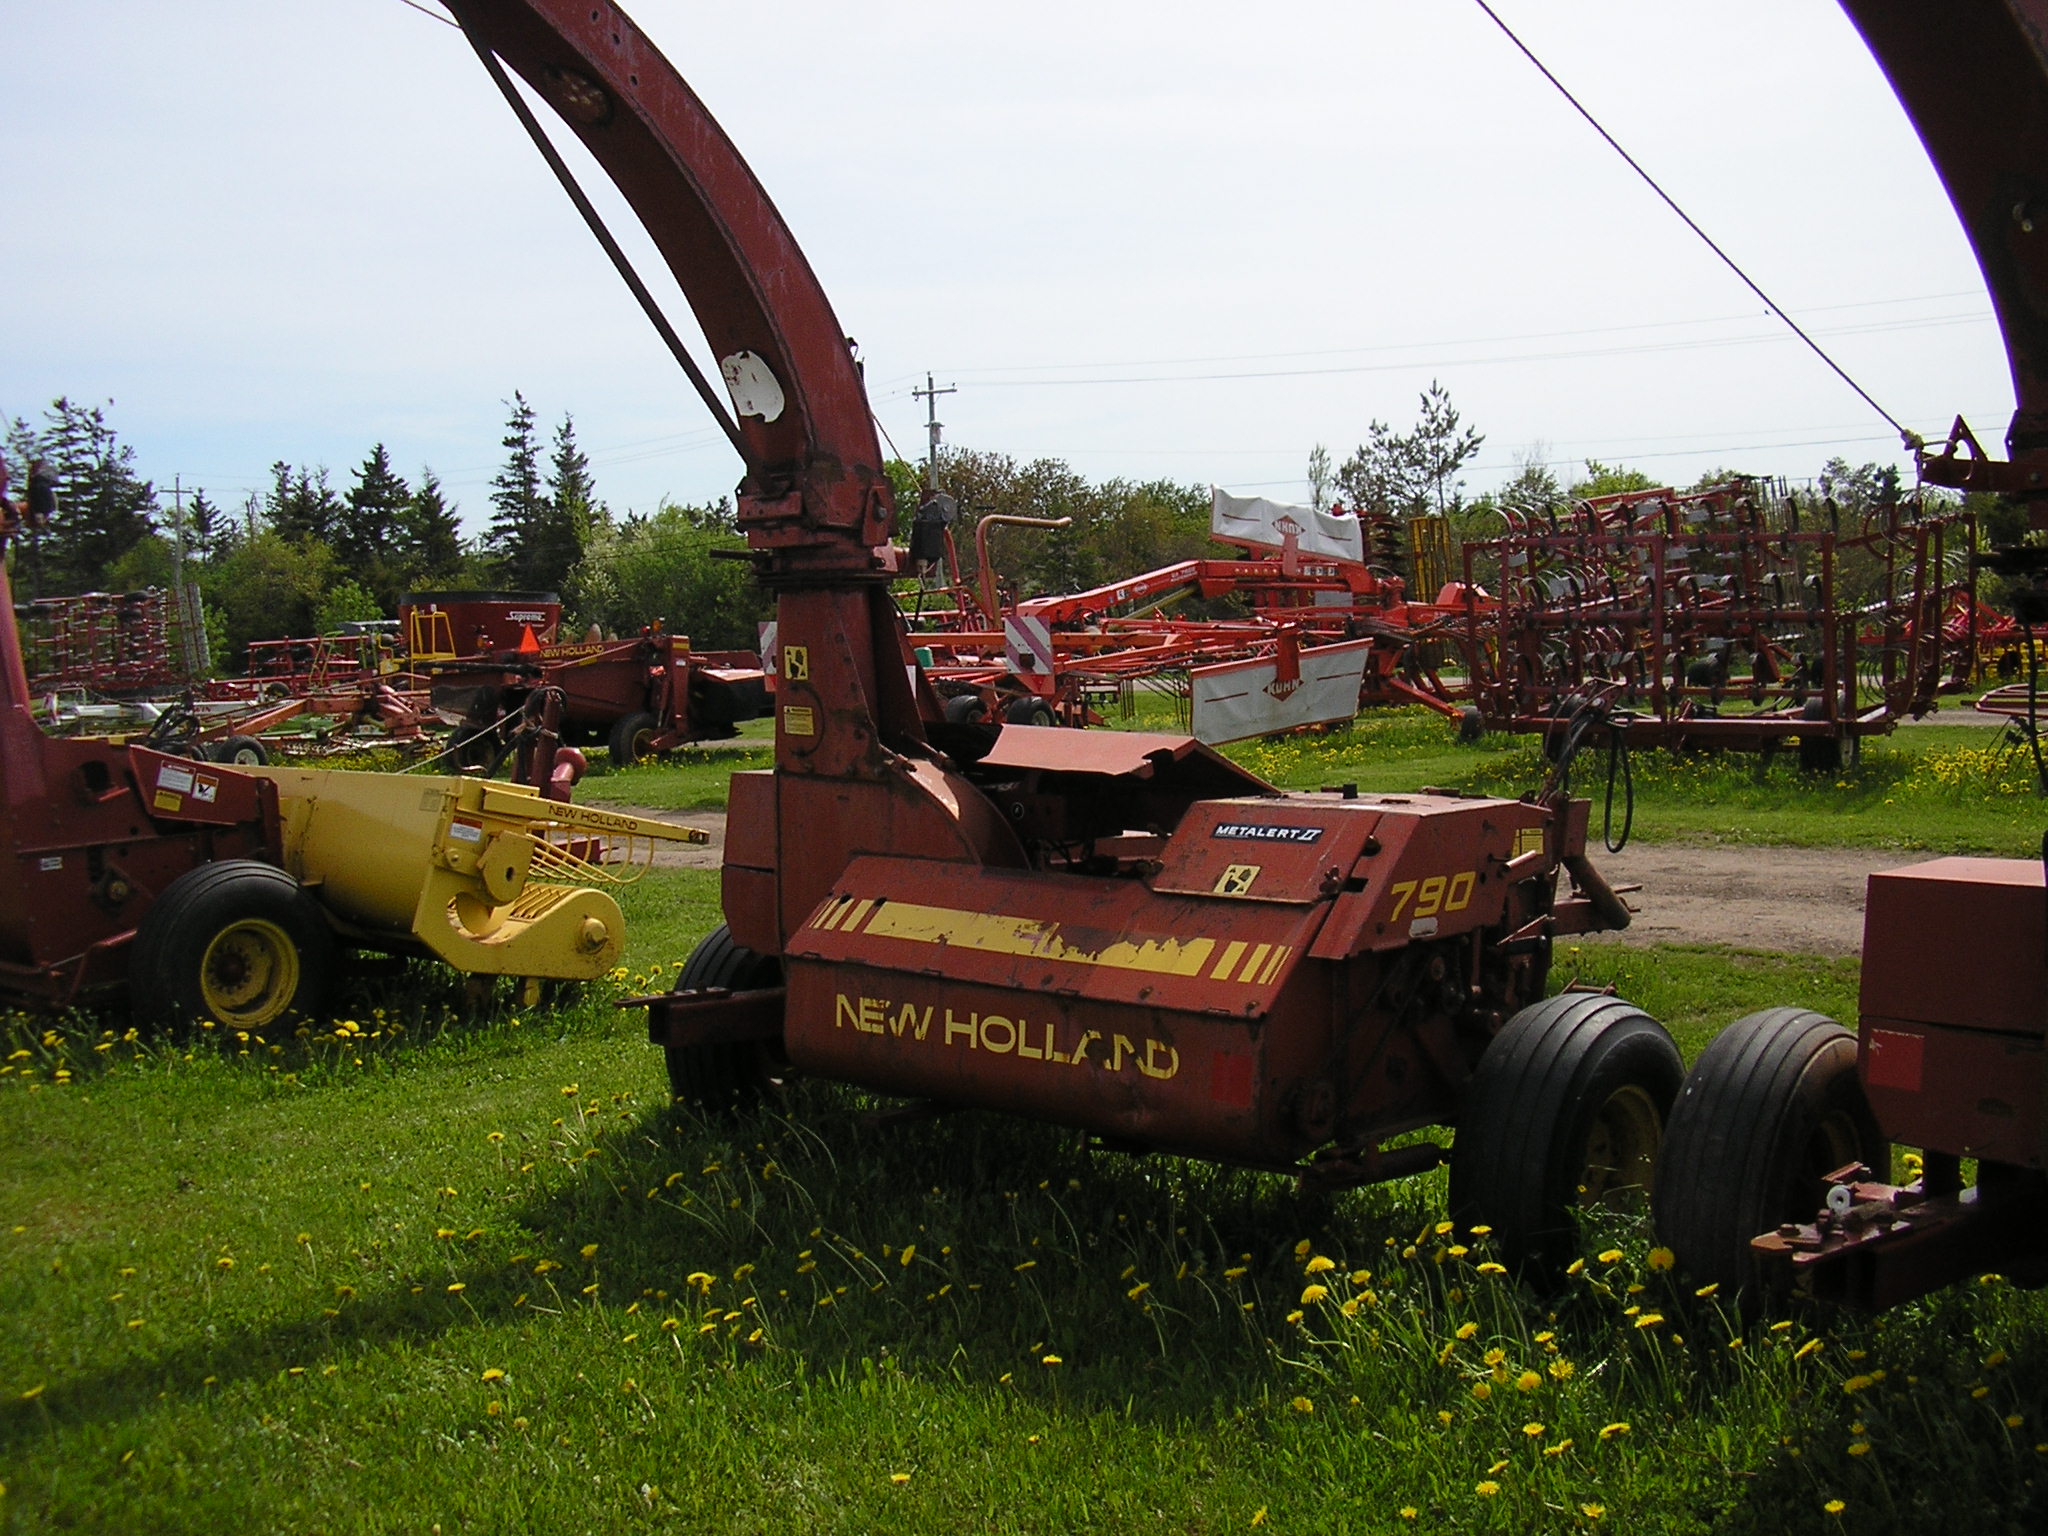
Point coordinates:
[(1439, 893)]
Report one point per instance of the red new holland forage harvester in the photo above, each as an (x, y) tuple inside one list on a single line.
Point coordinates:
[(1121, 933), (1131, 936)]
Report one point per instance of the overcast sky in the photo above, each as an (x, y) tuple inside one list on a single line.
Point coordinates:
[(1184, 240)]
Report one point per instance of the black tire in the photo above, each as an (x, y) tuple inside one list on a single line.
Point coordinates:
[(1566, 1112), (630, 735), (718, 1079), (238, 942), (1772, 1106), (1027, 711), (965, 709), (239, 752), (1471, 724)]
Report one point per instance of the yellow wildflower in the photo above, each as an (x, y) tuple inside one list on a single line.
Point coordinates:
[(1528, 1381), (1609, 1431), (1662, 1258), (1533, 1430), (1487, 1489), (1320, 1265), (1312, 1294), (1611, 1256), (1302, 1405), (1467, 1330)]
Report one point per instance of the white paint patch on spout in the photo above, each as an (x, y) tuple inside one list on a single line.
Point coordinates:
[(753, 386)]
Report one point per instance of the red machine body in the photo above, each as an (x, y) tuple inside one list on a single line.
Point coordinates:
[(92, 831), (440, 626)]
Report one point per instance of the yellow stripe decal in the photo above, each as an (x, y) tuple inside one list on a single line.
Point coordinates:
[(1232, 953), (994, 934), (856, 912), (829, 918), (1280, 954), (1251, 966)]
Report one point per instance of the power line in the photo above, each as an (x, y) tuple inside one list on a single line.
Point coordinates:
[(895, 387), (1727, 260), (1703, 343)]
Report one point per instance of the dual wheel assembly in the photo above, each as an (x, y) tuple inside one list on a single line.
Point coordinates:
[(1581, 1102)]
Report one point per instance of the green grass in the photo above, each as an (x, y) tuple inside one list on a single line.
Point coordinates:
[(471, 1272), (461, 1267)]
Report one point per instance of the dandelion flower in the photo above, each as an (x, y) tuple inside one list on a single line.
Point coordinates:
[(457, 1288), (1994, 1360), (1481, 1230), (1487, 1489), (1611, 1256), (1558, 1449), (1652, 1319), (1833, 1507), (1528, 1381), (1593, 1511), (1482, 1390), (899, 1477), (1467, 1330), (1302, 1405), (1534, 1430), (1708, 1289), (1857, 1384), (1050, 1360), (1301, 1248), (1609, 1431), (1561, 1369), (1980, 1392), (1409, 1512), (589, 1250), (1444, 1416), (1495, 1355), (1311, 1294), (1811, 1346), (494, 1374), (1491, 1268), (1662, 1259), (1859, 1448), (1320, 1265), (2015, 1420)]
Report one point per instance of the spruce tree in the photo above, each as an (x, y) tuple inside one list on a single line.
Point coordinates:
[(430, 535), (301, 504), (517, 500), (372, 508), (104, 508), (569, 514)]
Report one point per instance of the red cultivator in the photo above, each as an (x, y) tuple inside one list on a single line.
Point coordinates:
[(1718, 619)]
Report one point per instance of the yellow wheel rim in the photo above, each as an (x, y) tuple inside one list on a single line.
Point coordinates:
[(249, 974), (1621, 1151)]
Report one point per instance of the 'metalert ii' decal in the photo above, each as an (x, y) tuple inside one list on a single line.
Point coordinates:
[(1266, 832)]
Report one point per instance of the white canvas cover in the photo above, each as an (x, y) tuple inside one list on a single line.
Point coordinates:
[(1238, 699), (1256, 523)]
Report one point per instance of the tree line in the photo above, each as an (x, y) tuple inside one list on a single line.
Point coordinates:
[(303, 556)]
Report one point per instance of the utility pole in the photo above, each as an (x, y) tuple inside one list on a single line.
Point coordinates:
[(930, 395), (192, 648)]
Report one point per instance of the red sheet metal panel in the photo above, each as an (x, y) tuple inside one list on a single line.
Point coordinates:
[(1434, 868), (1931, 927), (1971, 1092), (1293, 850), (1112, 941), (1141, 754), (1184, 1023)]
